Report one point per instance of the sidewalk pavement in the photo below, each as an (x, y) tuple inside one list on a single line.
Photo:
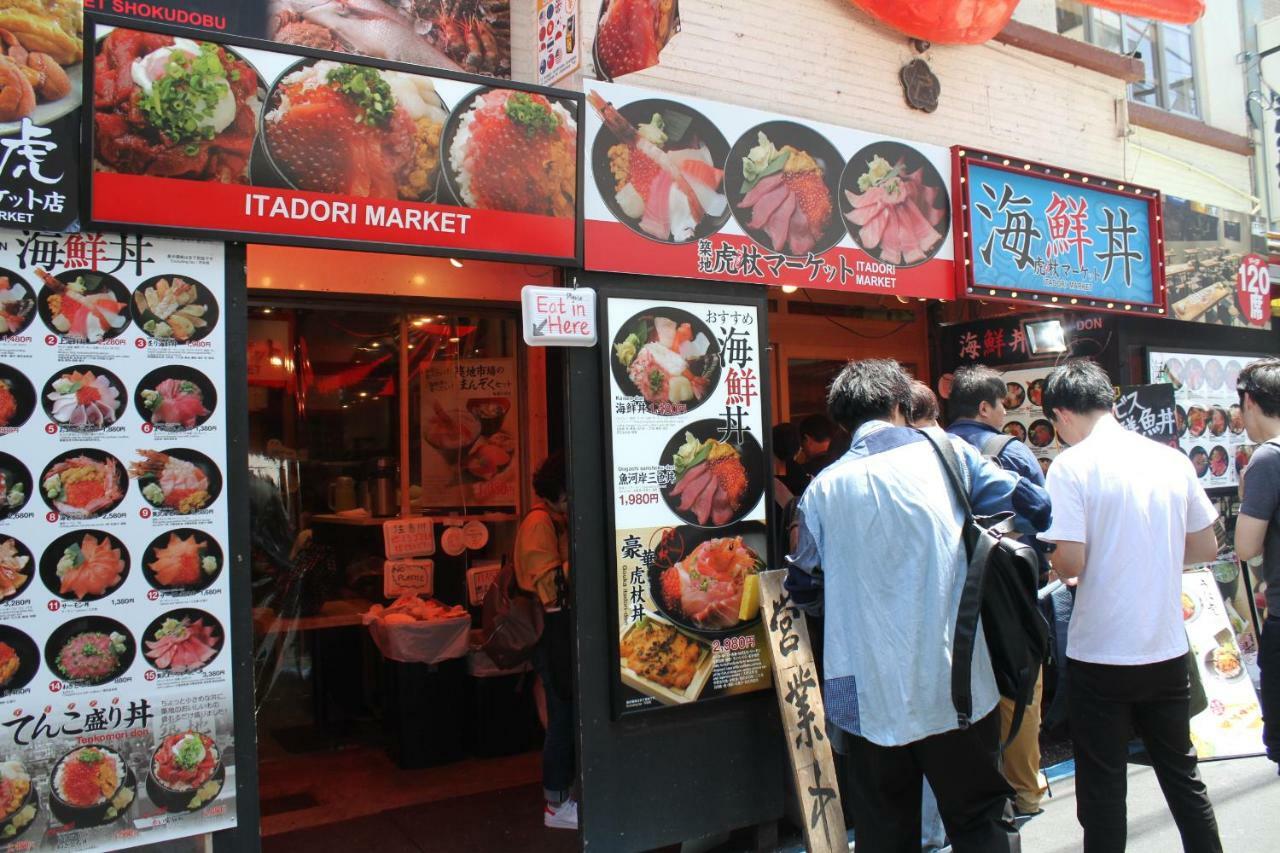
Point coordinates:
[(1244, 791)]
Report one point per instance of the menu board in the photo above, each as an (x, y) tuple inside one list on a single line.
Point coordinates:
[(286, 146), (470, 420), (1209, 422), (696, 189), (1231, 725), (690, 490), (1025, 420), (115, 665)]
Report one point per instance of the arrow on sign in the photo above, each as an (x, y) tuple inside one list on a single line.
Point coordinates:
[(539, 330)]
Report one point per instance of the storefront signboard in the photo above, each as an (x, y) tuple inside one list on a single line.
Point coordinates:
[(558, 316), (40, 136), (1214, 265), (470, 420), (299, 148), (689, 490), (1207, 412), (1034, 233), (115, 652), (443, 34), (695, 189), (559, 39), (1231, 724), (1149, 410), (1018, 339)]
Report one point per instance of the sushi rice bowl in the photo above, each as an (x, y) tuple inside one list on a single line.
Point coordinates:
[(91, 786), (186, 772), (19, 802)]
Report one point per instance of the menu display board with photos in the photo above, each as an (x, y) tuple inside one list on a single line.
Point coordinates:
[(40, 130), (1231, 725), (1025, 419), (470, 421), (115, 658), (690, 491), (1209, 422), (289, 147), (695, 189)]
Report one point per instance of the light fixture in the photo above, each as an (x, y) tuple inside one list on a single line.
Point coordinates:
[(364, 393), (1046, 337), (419, 279), (454, 339), (374, 345), (789, 288), (266, 310), (420, 322), (277, 361), (456, 263)]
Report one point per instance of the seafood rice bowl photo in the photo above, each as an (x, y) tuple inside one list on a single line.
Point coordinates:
[(336, 127), (17, 304), (91, 786), (84, 565), (19, 802), (186, 772), (183, 641), (85, 398), (83, 484), (83, 306), (175, 398), (667, 356), (19, 659), (705, 581), (179, 482), (513, 151), (89, 650), (182, 560)]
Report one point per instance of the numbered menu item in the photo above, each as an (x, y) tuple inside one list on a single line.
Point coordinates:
[(1208, 420), (688, 484), (112, 584)]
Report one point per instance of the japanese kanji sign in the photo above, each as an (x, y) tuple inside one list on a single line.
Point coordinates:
[(1149, 410), (853, 211), (689, 499), (115, 611), (1034, 233), (804, 719), (470, 416)]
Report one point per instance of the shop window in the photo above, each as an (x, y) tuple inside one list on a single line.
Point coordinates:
[(1167, 52)]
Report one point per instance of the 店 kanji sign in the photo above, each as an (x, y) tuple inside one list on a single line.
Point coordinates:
[(1040, 234), (1253, 290)]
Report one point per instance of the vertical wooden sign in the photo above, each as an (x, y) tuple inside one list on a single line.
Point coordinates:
[(804, 718)]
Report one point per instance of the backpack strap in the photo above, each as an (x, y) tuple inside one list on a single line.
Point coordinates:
[(995, 445)]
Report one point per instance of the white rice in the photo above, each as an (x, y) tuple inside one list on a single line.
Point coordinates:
[(458, 150)]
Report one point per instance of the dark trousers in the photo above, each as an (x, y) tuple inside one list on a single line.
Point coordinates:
[(1269, 663), (1106, 704), (553, 661), (963, 768)]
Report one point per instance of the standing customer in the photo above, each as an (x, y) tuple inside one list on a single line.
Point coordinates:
[(542, 568), (879, 548), (1258, 527), (977, 401), (1128, 513)]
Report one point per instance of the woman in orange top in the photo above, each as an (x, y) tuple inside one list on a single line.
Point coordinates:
[(542, 568)]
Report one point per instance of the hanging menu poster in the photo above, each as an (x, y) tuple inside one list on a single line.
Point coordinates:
[(115, 666), (1025, 419), (1207, 411), (689, 491), (1231, 725), (470, 423)]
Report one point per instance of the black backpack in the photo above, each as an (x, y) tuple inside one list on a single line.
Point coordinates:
[(1001, 587)]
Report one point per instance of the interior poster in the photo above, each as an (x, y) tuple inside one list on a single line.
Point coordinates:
[(696, 189), (1231, 725), (1209, 423), (470, 422), (690, 485), (1205, 249), (1025, 420), (115, 666), (292, 146)]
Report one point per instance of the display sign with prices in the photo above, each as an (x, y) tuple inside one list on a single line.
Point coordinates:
[(479, 579), (558, 316), (415, 577), (409, 537)]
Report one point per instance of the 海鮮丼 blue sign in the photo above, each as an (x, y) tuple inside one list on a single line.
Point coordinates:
[(1034, 234)]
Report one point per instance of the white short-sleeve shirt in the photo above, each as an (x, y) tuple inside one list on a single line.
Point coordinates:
[(1132, 502)]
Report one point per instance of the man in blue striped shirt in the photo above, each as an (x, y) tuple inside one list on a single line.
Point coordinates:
[(879, 553)]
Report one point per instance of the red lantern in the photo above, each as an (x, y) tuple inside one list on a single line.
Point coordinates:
[(977, 21)]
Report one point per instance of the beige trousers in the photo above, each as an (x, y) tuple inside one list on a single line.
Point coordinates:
[(1022, 757)]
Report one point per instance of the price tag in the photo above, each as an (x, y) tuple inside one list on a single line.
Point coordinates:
[(409, 537), (416, 577)]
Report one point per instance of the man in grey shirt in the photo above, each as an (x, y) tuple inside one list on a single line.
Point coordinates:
[(1258, 527)]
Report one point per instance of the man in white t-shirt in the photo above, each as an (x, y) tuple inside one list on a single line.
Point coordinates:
[(1128, 513)]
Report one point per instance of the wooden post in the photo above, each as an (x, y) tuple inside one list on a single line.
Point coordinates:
[(804, 718)]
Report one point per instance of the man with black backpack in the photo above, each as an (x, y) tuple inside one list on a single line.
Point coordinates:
[(977, 406), (1128, 513), (884, 548)]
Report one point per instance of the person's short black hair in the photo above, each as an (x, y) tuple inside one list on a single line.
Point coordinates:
[(1261, 381), (924, 403), (817, 427), (868, 389), (786, 441), (973, 385), (1079, 386), (549, 479)]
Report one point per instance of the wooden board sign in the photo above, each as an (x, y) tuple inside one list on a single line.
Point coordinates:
[(804, 717)]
